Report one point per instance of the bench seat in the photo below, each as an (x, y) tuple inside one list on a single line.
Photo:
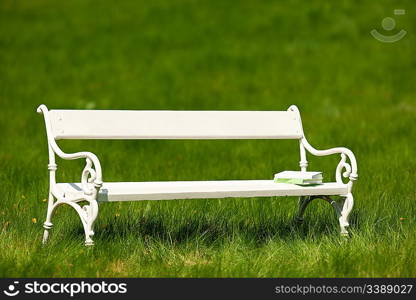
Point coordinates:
[(168, 190)]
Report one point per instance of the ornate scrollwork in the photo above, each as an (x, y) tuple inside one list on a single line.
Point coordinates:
[(343, 164), (350, 167), (88, 177)]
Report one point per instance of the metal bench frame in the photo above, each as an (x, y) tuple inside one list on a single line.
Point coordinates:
[(108, 124)]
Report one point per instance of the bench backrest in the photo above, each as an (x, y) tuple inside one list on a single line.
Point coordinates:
[(127, 124)]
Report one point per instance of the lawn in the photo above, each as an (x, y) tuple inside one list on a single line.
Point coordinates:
[(352, 91)]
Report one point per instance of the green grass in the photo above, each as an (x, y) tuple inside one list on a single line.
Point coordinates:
[(237, 55)]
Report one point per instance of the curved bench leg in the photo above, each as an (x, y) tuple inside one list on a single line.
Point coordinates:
[(347, 205), (303, 203), (87, 213), (91, 213), (342, 209), (48, 224)]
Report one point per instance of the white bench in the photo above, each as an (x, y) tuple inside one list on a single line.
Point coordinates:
[(124, 124)]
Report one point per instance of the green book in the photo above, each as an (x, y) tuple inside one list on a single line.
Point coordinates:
[(299, 177)]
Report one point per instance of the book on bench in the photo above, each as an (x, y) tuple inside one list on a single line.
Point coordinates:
[(298, 177)]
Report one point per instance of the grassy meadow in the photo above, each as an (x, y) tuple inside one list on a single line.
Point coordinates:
[(352, 91)]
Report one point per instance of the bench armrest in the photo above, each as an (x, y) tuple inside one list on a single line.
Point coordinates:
[(92, 171), (351, 170)]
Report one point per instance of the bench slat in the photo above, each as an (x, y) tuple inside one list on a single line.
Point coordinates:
[(125, 124), (169, 190)]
